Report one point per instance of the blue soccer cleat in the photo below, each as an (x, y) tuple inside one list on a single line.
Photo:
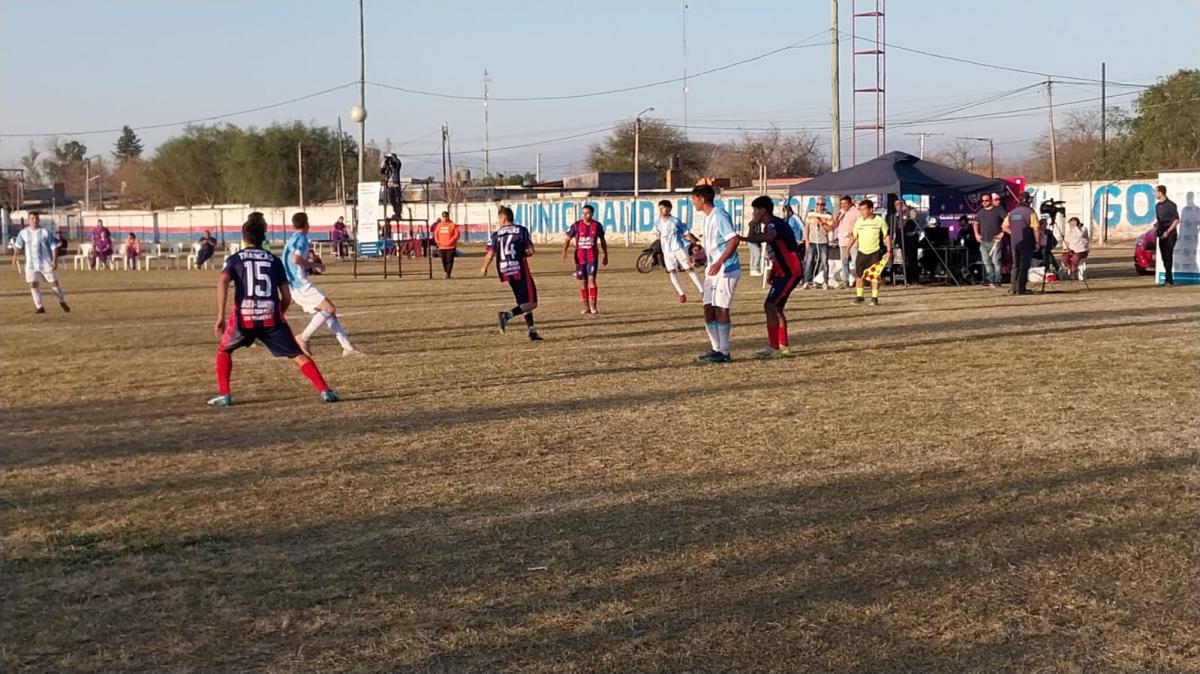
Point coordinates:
[(221, 401), (329, 397)]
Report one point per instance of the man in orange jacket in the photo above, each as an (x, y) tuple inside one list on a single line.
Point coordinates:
[(445, 235)]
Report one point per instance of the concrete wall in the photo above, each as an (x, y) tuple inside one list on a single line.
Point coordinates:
[(1124, 207)]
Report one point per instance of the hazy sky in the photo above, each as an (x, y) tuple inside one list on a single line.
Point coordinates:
[(76, 65)]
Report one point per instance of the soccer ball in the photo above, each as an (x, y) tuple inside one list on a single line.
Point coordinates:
[(358, 114)]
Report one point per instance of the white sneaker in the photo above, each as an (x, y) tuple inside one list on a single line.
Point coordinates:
[(351, 352)]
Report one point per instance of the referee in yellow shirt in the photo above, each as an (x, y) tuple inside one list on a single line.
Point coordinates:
[(872, 235)]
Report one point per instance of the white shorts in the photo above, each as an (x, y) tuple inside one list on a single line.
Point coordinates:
[(46, 274), (718, 290), (676, 260), (308, 296)]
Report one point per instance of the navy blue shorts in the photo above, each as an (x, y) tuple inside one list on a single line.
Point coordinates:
[(781, 290), (586, 269), (278, 338), (523, 289)]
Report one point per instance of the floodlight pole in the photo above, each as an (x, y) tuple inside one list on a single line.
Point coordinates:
[(362, 92), (835, 91), (637, 174)]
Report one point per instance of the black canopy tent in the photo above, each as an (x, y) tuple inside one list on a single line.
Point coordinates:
[(898, 173)]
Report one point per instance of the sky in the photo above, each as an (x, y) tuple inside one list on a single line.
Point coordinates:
[(79, 65)]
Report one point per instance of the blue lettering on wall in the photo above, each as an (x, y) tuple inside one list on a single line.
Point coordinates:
[(1136, 217)]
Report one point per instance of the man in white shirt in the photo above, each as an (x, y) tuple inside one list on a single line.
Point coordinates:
[(673, 238), (41, 261), (723, 269)]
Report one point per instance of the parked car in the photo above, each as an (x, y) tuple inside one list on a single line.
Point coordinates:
[(1143, 252)]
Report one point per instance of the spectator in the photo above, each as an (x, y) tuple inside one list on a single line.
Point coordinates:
[(1166, 223), (910, 236), (1075, 242), (1021, 226), (60, 243), (794, 222), (930, 241), (133, 250), (846, 217), (340, 237), (208, 246), (99, 232), (756, 250), (445, 235), (102, 248), (987, 225), (818, 225)]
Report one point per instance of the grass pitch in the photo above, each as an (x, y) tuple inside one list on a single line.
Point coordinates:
[(956, 480)]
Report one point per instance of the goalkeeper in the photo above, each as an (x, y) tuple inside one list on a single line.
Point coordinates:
[(872, 236)]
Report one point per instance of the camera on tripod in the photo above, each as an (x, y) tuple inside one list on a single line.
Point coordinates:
[(1053, 208)]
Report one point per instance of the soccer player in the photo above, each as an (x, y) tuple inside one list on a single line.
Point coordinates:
[(721, 241), (512, 247), (673, 238), (41, 262), (786, 270), (871, 235), (297, 262), (587, 233), (260, 298)]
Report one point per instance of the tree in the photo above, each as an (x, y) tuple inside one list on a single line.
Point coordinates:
[(790, 155), (128, 146), (963, 155), (33, 168), (263, 166), (65, 163), (659, 141), (1164, 133), (188, 169)]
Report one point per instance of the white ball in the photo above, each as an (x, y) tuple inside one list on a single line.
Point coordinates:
[(358, 114)]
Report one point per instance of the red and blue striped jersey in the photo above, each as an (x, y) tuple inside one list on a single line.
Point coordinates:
[(586, 234), (784, 248), (509, 244), (257, 276)]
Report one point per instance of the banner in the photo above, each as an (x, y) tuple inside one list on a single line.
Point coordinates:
[(367, 226), (1182, 189)]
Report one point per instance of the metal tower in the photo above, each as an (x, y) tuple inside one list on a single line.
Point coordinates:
[(871, 51)]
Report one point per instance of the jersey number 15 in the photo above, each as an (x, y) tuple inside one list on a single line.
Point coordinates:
[(258, 278)]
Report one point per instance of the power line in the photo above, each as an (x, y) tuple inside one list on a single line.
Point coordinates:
[(198, 120), (800, 44)]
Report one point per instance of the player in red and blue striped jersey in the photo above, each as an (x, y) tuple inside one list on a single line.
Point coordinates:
[(511, 247), (261, 296), (587, 234), (787, 270)]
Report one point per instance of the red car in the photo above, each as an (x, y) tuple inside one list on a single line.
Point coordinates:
[(1143, 252)]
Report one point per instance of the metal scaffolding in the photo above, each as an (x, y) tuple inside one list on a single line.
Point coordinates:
[(872, 91)]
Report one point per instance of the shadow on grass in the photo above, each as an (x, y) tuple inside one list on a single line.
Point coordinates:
[(922, 570)]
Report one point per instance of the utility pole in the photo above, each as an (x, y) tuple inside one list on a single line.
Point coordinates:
[(445, 165), (300, 171), (341, 164), (637, 173), (487, 86), (835, 90), (1053, 144), (537, 169), (685, 73), (362, 94), (923, 135), (1103, 125)]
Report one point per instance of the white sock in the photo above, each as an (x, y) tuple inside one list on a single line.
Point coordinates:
[(723, 337), (315, 324), (37, 297), (338, 331), (58, 291), (712, 335), (674, 276), (696, 280)]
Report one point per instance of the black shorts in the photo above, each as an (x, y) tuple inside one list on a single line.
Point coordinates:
[(781, 290), (523, 289), (865, 261), (278, 337)]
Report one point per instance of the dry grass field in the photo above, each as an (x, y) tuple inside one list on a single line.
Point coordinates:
[(957, 480)]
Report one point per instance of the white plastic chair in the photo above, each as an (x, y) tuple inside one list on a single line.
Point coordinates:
[(174, 253), (152, 254), (191, 261), (82, 259), (118, 258), (231, 249)]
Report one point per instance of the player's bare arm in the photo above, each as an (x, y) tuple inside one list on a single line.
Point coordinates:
[(529, 251), (222, 299), (603, 249), (732, 246), (487, 261), (887, 241), (566, 247)]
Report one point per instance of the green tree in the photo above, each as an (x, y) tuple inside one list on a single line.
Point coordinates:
[(1164, 132), (64, 160), (659, 141), (128, 146), (33, 166), (263, 166), (189, 169)]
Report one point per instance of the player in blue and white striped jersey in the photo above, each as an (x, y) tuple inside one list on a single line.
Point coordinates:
[(673, 238), (41, 262)]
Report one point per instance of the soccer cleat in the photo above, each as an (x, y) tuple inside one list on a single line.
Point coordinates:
[(502, 320), (586, 310), (874, 301), (721, 358), (535, 337), (329, 397), (858, 300), (682, 299), (706, 357), (767, 353), (303, 344), (65, 307), (221, 401), (40, 310), (351, 352), (786, 352)]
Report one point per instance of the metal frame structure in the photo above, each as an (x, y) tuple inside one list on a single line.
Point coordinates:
[(875, 92)]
